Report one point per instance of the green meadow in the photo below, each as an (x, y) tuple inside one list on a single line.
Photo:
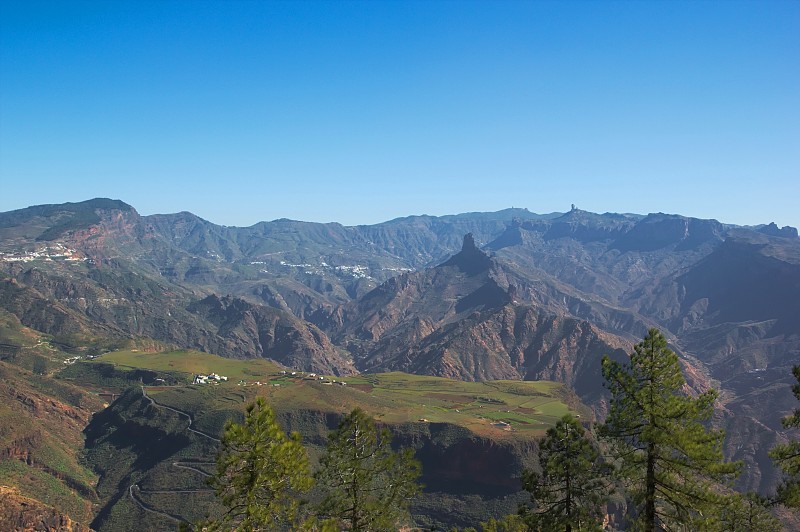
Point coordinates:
[(501, 409), (190, 363)]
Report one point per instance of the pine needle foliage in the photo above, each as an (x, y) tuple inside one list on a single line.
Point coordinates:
[(787, 456), (746, 512), (261, 474), (670, 460), (574, 485), (367, 485), (508, 523)]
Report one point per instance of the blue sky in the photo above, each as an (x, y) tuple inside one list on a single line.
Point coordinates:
[(360, 112)]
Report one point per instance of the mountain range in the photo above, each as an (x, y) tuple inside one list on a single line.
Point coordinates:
[(476, 296)]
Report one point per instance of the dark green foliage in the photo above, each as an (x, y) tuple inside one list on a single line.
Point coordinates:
[(112, 377), (669, 459), (39, 365), (574, 484), (261, 473), (509, 523), (787, 456), (367, 486), (745, 513)]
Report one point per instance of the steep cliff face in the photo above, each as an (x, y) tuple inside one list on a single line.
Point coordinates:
[(748, 279), (46, 223)]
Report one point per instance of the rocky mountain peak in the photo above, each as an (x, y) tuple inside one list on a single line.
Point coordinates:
[(469, 243), (470, 259), (772, 229)]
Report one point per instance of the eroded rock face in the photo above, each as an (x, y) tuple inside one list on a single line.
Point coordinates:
[(19, 513), (243, 330)]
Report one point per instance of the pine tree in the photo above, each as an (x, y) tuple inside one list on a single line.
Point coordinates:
[(787, 456), (670, 460), (261, 473), (367, 485), (574, 484), (745, 513)]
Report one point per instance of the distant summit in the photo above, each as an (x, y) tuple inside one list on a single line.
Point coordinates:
[(59, 219), (773, 230)]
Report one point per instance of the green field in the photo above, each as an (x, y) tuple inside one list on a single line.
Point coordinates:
[(192, 362), (495, 408)]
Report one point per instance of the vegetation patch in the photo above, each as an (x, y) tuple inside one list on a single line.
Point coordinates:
[(189, 362)]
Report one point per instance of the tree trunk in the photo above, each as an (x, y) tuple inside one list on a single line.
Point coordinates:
[(650, 489)]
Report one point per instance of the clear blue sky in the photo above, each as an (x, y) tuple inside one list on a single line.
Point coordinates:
[(361, 112)]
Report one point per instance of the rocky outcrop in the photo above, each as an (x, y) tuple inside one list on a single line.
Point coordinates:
[(462, 320), (772, 229), (23, 514), (41, 422), (470, 260)]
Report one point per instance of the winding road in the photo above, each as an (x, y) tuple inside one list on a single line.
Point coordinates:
[(179, 412), (134, 488)]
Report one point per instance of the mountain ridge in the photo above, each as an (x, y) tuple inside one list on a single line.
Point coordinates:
[(523, 296)]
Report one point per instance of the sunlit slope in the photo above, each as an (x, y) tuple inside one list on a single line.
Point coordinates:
[(492, 407), (41, 420)]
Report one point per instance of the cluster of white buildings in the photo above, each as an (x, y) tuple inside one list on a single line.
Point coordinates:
[(211, 378), (283, 373), (356, 271), (53, 252), (311, 377)]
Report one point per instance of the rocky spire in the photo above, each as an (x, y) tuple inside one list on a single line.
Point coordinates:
[(469, 244), (470, 259)]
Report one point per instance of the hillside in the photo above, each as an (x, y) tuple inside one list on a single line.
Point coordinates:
[(154, 446), (462, 320), (41, 444), (527, 296)]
